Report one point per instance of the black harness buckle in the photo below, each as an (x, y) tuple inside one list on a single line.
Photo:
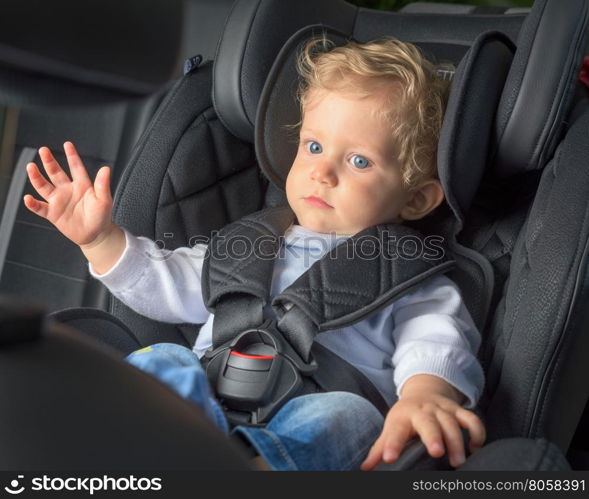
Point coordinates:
[(256, 373)]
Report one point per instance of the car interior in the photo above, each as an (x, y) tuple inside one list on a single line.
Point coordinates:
[(190, 113)]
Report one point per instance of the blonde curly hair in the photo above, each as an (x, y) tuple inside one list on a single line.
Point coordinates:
[(416, 93)]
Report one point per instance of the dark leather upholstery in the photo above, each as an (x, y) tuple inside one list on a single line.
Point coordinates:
[(68, 418), (527, 133), (248, 48)]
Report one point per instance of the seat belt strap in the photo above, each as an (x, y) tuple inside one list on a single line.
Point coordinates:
[(336, 374), (234, 314), (299, 331)]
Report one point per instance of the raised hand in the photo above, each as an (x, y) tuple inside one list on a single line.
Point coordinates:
[(80, 210)]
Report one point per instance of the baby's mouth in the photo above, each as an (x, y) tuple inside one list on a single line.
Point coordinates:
[(317, 202)]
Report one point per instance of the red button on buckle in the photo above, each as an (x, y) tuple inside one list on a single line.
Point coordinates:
[(247, 356)]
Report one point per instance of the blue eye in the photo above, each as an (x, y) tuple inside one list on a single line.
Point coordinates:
[(314, 147), (360, 161)]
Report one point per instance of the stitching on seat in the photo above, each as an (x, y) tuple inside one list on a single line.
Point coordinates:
[(330, 289), (244, 170), (231, 273), (166, 173), (37, 225), (125, 178), (45, 271), (181, 217), (218, 187)]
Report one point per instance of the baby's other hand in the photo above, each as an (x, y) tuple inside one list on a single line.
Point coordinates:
[(437, 420), (80, 209)]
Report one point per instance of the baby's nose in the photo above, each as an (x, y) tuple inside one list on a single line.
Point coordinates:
[(324, 172)]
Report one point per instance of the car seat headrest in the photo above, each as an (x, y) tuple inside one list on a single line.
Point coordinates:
[(127, 47), (540, 86), (466, 133), (466, 138), (253, 36)]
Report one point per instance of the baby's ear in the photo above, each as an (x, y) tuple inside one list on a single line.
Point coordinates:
[(422, 200)]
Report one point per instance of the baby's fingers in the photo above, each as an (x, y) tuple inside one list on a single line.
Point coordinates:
[(374, 455), (428, 428), (475, 427), (38, 181), (52, 167), (102, 184), (77, 168), (452, 437), (395, 440), (389, 445), (38, 207)]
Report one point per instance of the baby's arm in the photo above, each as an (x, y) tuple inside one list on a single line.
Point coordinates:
[(436, 371), (161, 285)]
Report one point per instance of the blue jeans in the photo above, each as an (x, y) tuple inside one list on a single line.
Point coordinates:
[(319, 431)]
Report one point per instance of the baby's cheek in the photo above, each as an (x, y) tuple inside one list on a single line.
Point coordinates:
[(290, 187)]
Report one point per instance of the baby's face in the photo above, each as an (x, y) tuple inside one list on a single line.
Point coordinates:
[(345, 177)]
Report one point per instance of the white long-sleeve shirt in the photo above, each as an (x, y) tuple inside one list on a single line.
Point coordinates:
[(428, 331)]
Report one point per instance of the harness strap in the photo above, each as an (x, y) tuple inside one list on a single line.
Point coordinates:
[(299, 331), (236, 313), (362, 275), (335, 374)]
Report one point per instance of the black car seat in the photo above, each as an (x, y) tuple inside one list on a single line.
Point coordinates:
[(210, 177), (203, 172), (190, 205), (63, 79)]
